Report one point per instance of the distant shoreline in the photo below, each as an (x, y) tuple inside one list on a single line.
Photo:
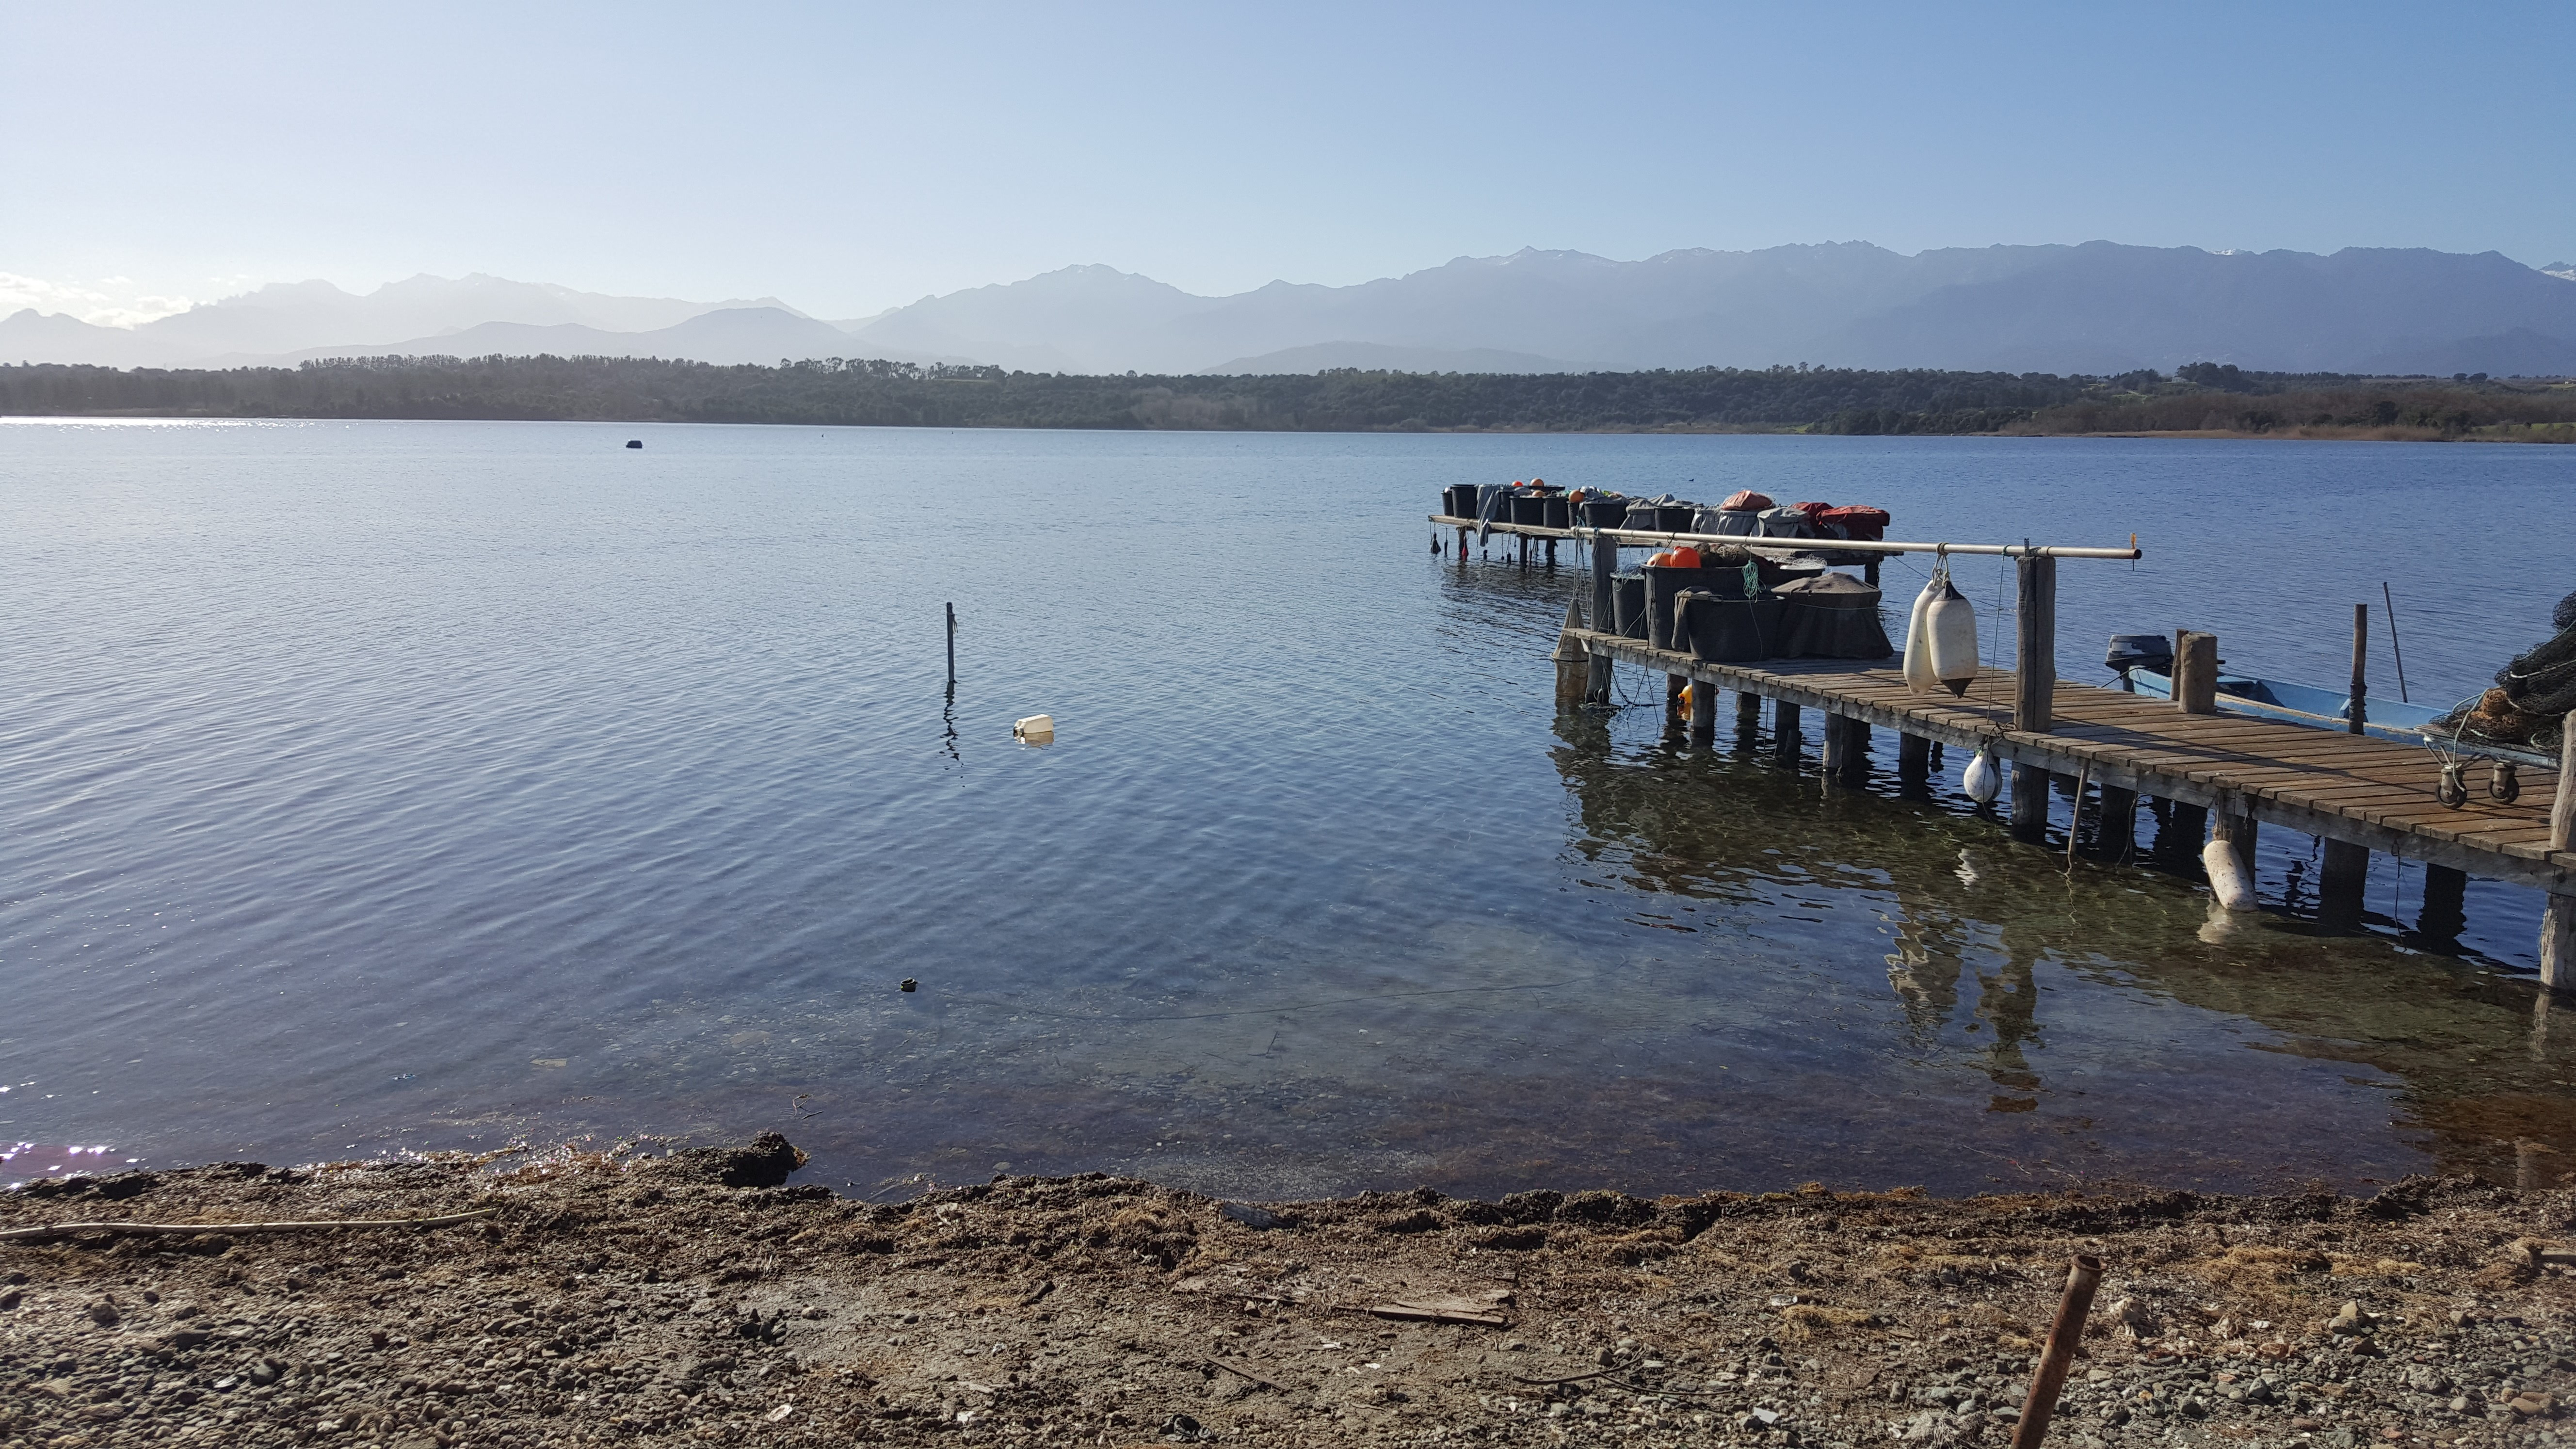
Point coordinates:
[(2201, 400), (2541, 435)]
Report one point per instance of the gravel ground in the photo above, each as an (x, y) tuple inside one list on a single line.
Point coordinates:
[(615, 1299)]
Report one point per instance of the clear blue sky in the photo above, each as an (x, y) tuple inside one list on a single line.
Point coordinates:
[(850, 157)]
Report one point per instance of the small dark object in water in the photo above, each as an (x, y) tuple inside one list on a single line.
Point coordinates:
[(635, 442), (911, 985), (1259, 1218)]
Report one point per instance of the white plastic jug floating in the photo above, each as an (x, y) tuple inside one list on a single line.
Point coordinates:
[(1951, 629), (1918, 639), (1037, 729), (2227, 878), (1981, 779)]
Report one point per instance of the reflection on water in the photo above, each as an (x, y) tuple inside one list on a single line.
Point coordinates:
[(372, 787)]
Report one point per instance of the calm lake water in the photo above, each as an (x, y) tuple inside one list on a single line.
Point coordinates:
[(393, 786)]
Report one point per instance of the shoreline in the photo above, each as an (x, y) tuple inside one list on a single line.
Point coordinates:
[(2528, 435), (695, 1299)]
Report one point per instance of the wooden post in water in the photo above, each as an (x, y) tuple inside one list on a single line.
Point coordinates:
[(2029, 801), (2117, 833), (952, 641), (1573, 662), (2225, 823), (1913, 760), (2444, 913), (2341, 884), (2359, 713), (1852, 766), (2195, 676), (1605, 562), (2035, 647), (1837, 741), (1703, 712), (1784, 730), (1551, 553), (1462, 548), (2558, 913)]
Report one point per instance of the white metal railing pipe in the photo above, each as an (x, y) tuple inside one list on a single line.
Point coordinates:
[(1854, 545)]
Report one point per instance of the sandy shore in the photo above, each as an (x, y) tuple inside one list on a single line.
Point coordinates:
[(613, 1300)]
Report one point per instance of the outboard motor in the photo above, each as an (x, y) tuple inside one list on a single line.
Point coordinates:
[(2152, 652)]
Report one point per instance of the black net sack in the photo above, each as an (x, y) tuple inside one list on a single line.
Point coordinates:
[(1832, 616)]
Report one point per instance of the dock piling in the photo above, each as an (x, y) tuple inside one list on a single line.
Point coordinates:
[(2558, 915), (1784, 731), (1703, 712), (2340, 885), (2035, 646), (2029, 801), (1913, 761), (2195, 676), (2358, 714), (1574, 663)]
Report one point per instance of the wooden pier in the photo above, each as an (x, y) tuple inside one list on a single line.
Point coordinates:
[(2353, 792)]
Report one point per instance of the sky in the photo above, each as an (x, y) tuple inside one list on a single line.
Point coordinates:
[(852, 157)]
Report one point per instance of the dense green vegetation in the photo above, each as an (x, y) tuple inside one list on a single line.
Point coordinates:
[(891, 394)]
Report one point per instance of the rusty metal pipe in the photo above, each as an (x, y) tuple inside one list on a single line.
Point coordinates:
[(2059, 1355)]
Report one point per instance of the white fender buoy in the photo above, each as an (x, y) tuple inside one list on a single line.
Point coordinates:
[(2227, 878), (1981, 779), (1037, 729), (1919, 675), (1951, 629)]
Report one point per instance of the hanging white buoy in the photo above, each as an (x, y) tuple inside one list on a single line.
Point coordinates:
[(1919, 675), (1951, 627), (1981, 779), (2227, 878)]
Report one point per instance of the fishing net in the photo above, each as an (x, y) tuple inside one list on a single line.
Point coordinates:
[(2533, 694)]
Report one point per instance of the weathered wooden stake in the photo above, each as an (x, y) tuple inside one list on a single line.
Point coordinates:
[(1837, 744), (2444, 913), (2237, 830), (1605, 564), (2558, 913), (1703, 712), (1784, 730), (2185, 827), (2035, 657), (1913, 759), (2342, 884), (1573, 663), (2029, 801), (2195, 676), (2059, 1355), (1551, 553), (2360, 711), (1855, 761), (952, 642), (2117, 833)]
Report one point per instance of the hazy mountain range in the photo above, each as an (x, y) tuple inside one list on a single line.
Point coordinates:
[(2094, 308)]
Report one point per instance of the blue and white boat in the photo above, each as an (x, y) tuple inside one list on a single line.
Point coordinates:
[(2144, 663)]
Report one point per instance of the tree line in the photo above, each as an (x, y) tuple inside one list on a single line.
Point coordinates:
[(846, 392)]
